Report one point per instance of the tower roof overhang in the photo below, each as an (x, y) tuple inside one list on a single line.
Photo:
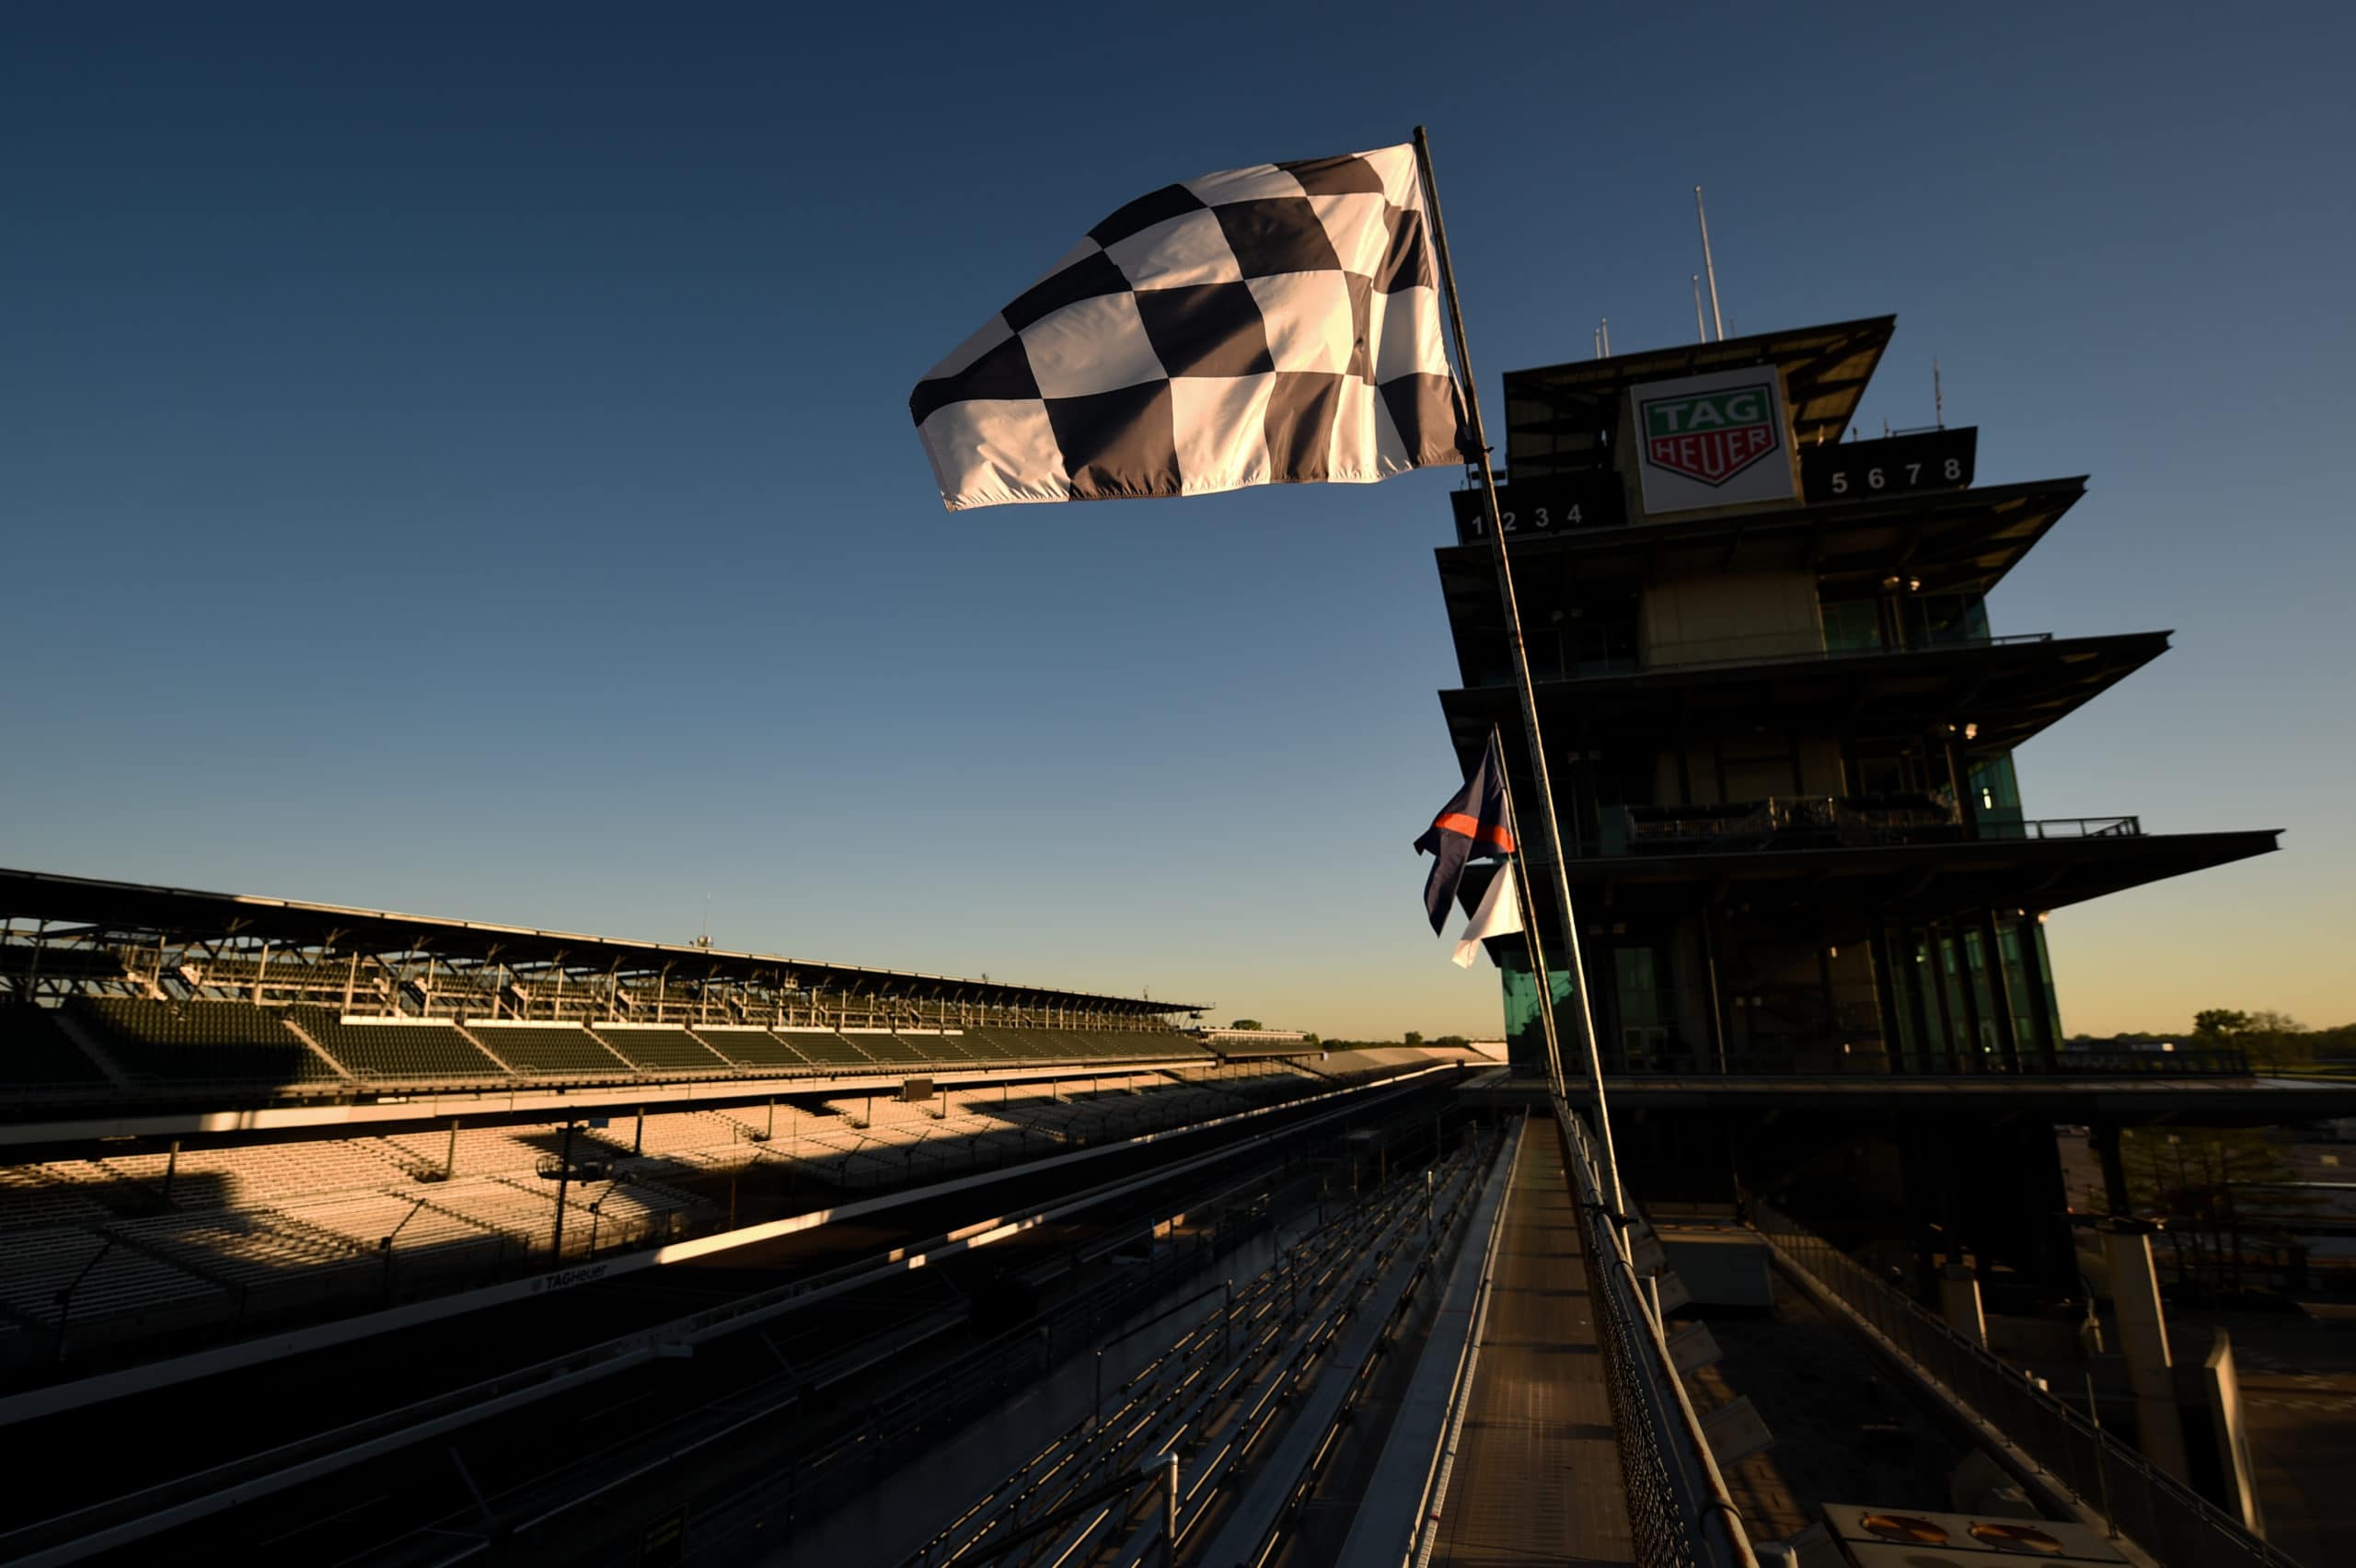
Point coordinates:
[(2006, 690), (1554, 414), (1842, 893), (1946, 541)]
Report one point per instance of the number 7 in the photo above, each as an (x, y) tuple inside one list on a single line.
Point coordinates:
[(1913, 472)]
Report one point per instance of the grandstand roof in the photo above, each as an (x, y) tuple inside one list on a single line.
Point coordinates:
[(135, 912)]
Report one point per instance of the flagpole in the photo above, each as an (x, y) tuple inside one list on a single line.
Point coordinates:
[(1517, 868), (1495, 526)]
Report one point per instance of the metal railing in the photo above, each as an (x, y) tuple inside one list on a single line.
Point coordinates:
[(1680, 1513), (2167, 1518), (1832, 822), (1677, 1058)]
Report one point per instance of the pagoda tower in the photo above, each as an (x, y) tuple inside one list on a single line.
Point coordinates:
[(1781, 730)]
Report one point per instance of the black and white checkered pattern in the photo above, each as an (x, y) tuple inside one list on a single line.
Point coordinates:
[(1274, 325)]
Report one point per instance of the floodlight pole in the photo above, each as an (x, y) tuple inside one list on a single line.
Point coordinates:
[(1551, 836)]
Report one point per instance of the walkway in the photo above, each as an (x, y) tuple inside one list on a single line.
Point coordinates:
[(1537, 1474)]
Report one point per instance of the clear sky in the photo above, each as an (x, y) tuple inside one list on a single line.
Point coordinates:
[(456, 459)]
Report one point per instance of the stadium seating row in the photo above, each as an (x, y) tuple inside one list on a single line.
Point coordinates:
[(317, 1217), (313, 1045)]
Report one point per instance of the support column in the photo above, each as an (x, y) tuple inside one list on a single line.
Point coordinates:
[(1717, 1006), (1934, 939), (1893, 1037), (1910, 976), (2039, 987), (1971, 995), (2221, 1385), (2000, 992), (1959, 781), (2143, 1340), (2105, 1138)]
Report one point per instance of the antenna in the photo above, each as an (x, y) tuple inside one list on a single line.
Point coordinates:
[(1708, 265), (1597, 335), (1605, 328), (1701, 328), (1938, 398)]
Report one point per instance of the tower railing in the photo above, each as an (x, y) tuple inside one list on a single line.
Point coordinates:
[(1839, 822), (2130, 1494)]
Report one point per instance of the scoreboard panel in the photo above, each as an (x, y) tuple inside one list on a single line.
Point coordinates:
[(1538, 507), (1861, 471)]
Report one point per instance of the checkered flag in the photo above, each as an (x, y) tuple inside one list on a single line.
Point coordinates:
[(1272, 324)]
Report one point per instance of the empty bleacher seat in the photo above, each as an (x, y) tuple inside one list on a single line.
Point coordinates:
[(828, 1049), (886, 1048), (935, 1049), (661, 1049), (755, 1048), (242, 1246), (403, 1049), (35, 1052), (210, 1042), (549, 1050), (105, 1278)]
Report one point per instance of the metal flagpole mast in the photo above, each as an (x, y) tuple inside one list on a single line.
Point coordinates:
[(1517, 868), (1494, 525)]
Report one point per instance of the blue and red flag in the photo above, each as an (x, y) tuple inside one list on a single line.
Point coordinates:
[(1474, 822)]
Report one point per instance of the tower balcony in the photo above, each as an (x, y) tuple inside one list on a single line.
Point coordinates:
[(1831, 822)]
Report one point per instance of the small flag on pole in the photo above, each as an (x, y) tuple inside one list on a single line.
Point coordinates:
[(1497, 915), (1272, 324), (1474, 822)]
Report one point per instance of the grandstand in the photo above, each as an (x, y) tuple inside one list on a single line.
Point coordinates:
[(218, 1113), (113, 1246), (114, 992)]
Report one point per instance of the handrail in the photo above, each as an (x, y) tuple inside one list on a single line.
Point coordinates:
[(2167, 1518), (1679, 1512)]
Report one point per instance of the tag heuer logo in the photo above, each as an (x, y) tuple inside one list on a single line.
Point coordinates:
[(1711, 436)]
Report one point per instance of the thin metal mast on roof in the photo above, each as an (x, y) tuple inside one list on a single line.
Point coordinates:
[(1708, 265), (1938, 397), (1701, 328)]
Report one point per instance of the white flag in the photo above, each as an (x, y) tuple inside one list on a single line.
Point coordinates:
[(1272, 324), (1499, 915)]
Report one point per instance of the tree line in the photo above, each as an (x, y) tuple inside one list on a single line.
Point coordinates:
[(2274, 1042)]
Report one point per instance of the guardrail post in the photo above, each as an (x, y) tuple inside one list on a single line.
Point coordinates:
[(1168, 1464)]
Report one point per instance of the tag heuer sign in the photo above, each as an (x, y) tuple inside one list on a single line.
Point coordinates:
[(1713, 440)]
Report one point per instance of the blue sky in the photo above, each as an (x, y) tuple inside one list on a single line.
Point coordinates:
[(460, 462)]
